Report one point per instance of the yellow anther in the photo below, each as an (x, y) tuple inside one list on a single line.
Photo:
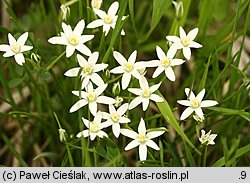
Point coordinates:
[(108, 19), (128, 67), (142, 138), (185, 41), (115, 117), (91, 96), (73, 40), (146, 93), (15, 47), (88, 69), (165, 62), (94, 127), (195, 103)]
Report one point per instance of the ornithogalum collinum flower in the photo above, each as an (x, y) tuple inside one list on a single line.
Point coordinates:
[(142, 139), (184, 42), (73, 39), (145, 94), (207, 139), (88, 70), (16, 48), (91, 97), (115, 117), (94, 128), (165, 63), (127, 68), (195, 103), (107, 20)]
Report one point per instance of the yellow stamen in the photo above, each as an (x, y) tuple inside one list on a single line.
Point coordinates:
[(185, 41), (115, 117), (88, 69), (94, 127), (142, 138), (146, 93), (195, 103), (165, 62), (128, 67), (91, 96), (15, 47), (73, 40), (108, 19)]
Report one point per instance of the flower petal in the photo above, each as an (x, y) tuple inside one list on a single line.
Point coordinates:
[(85, 38), (84, 133), (151, 63), (184, 102), (66, 29), (132, 57), (195, 45), (208, 103), (170, 73), (141, 127), (129, 133), (99, 67), (58, 40), (187, 52), (189, 93), (135, 91), (116, 129), (143, 152), (93, 58), (26, 48), (199, 112), (152, 144), (122, 109), (155, 87), (186, 113), (193, 33), (156, 98), (79, 104), (113, 8), (23, 38), (119, 58), (175, 62), (69, 50), (83, 49), (99, 90), (117, 70), (145, 104), (171, 53), (72, 72), (95, 78), (95, 23), (93, 108), (19, 58), (86, 122), (158, 71), (12, 40), (135, 102), (79, 27), (5, 47), (201, 95), (123, 120), (102, 134), (100, 13), (105, 100), (81, 60), (126, 77), (132, 145), (160, 53), (182, 33), (143, 83), (173, 39), (106, 28), (154, 134)]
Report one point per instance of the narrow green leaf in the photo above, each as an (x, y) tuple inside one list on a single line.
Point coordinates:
[(50, 155), (169, 116), (189, 157), (15, 82)]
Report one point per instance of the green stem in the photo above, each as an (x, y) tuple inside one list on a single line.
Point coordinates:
[(48, 67), (205, 157)]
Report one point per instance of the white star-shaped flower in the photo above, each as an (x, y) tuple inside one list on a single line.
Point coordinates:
[(96, 4), (165, 63), (195, 104), (94, 128), (115, 117), (184, 42), (74, 40), (16, 48), (108, 20), (145, 93), (207, 139), (127, 68), (88, 70), (91, 97), (142, 139)]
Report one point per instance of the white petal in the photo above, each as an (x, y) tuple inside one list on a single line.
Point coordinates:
[(151, 63), (175, 62), (184, 102), (173, 38), (106, 28), (156, 98), (143, 83), (58, 40), (126, 77), (132, 57), (19, 58), (95, 23), (23, 38), (112, 109), (170, 73), (102, 134), (66, 29), (85, 81), (26, 48), (187, 52), (123, 120), (132, 145), (99, 90), (85, 38), (201, 95), (143, 152), (93, 108), (79, 93), (135, 73), (135, 102), (100, 13), (83, 49), (12, 40), (72, 72), (69, 50), (171, 53), (193, 33), (154, 134), (117, 70), (116, 129), (186, 113), (119, 58), (78, 105), (208, 103), (152, 144), (160, 53), (93, 58), (106, 115), (135, 91), (92, 136), (84, 133), (98, 117), (79, 28), (129, 133), (182, 33), (155, 87), (81, 60), (99, 67), (145, 103), (96, 79), (122, 109), (141, 127), (189, 93), (5, 47), (194, 45), (86, 122), (199, 112), (158, 71), (105, 100), (113, 8)]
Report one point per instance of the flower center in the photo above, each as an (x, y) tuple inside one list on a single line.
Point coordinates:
[(128, 67), (16, 47), (185, 41), (73, 40), (142, 138), (115, 117), (146, 93), (165, 62), (108, 19), (91, 96), (94, 128), (195, 103), (88, 69)]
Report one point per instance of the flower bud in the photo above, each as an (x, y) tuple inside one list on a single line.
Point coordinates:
[(198, 119), (35, 57), (178, 9), (107, 74), (96, 4), (142, 71), (62, 134), (116, 89), (65, 12), (118, 102)]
